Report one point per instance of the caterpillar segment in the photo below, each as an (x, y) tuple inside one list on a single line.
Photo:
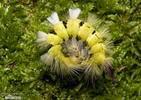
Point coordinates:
[(73, 27), (85, 30), (61, 31)]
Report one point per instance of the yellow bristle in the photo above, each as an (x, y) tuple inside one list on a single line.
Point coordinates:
[(61, 30), (99, 58), (68, 61), (55, 51), (97, 48), (85, 31), (73, 27), (54, 39), (93, 39)]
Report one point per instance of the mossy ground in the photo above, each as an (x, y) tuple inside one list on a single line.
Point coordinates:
[(22, 72)]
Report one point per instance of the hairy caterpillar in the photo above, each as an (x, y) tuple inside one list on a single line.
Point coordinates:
[(77, 46)]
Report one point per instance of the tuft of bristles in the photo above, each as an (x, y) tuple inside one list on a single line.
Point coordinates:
[(74, 13), (78, 46), (54, 19)]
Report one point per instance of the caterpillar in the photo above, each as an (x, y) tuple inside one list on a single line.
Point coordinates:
[(77, 45)]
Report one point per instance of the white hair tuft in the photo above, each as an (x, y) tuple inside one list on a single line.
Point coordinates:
[(54, 19), (41, 34), (74, 13), (42, 39)]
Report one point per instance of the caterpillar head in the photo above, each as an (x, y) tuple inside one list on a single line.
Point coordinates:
[(75, 46)]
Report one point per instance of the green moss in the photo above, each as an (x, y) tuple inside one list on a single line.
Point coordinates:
[(20, 67)]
